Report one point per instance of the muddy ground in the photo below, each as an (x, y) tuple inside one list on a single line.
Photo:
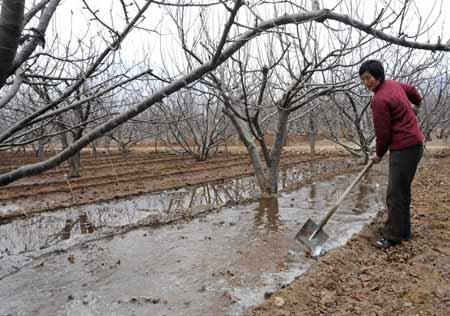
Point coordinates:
[(358, 279), (112, 176)]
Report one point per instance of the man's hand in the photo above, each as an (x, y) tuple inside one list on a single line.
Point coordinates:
[(375, 158)]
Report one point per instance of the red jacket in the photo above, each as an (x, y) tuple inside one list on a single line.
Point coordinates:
[(396, 125)]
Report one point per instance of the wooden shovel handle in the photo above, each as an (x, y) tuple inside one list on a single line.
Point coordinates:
[(346, 192)]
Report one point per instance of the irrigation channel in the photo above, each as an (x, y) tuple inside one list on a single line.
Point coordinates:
[(194, 251)]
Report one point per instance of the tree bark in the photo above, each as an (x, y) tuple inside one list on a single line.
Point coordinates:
[(260, 174), (74, 161), (312, 136), (11, 19), (39, 37), (75, 164), (77, 133), (94, 149), (40, 150), (124, 149), (277, 149)]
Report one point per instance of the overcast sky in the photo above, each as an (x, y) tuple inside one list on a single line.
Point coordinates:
[(71, 18)]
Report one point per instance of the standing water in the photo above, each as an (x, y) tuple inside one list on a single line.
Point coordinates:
[(81, 261)]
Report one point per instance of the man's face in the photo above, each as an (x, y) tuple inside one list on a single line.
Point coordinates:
[(369, 81)]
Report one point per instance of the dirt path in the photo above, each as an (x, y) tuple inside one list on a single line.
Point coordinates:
[(357, 279)]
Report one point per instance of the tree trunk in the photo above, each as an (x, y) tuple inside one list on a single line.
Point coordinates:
[(107, 143), (260, 174), (11, 19), (277, 149), (40, 150), (203, 153), (267, 178), (94, 149), (312, 136), (22, 149), (365, 147), (75, 164), (447, 136), (246, 138), (124, 149), (64, 141), (74, 161)]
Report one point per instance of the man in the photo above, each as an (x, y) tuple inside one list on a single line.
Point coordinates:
[(396, 130)]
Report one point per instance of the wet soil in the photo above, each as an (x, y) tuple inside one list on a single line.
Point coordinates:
[(115, 177), (357, 279), (108, 260), (44, 230)]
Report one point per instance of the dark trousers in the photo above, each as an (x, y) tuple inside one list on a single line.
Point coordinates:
[(402, 168)]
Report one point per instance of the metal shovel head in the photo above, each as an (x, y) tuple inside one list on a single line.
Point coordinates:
[(313, 245)]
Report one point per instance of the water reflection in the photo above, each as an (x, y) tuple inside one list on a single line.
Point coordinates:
[(361, 205), (312, 195), (67, 229), (266, 214), (47, 229), (85, 226), (213, 265)]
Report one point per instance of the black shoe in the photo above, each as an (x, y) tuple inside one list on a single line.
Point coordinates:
[(383, 243)]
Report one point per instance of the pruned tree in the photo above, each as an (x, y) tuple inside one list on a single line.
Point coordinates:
[(350, 124), (60, 89), (297, 72), (195, 123), (234, 35), (434, 115), (125, 136)]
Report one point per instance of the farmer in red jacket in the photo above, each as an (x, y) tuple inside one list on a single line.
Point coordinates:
[(396, 130)]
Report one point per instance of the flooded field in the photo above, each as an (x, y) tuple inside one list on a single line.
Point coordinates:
[(144, 257), (47, 229), (116, 178)]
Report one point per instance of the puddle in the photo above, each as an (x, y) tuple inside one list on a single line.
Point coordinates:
[(48, 229), (219, 264)]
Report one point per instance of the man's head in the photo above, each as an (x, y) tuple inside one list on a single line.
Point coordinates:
[(371, 73)]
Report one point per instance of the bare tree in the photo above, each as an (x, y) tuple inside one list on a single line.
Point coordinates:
[(351, 126), (256, 102), (11, 20), (84, 73), (435, 113), (125, 136), (226, 46), (196, 123)]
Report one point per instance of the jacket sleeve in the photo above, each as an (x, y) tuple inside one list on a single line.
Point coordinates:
[(381, 116), (412, 94)]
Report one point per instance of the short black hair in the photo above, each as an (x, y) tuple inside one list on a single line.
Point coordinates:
[(374, 67)]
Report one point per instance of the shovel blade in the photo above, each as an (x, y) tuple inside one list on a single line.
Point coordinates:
[(313, 245)]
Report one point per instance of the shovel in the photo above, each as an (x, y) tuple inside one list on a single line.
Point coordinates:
[(311, 236)]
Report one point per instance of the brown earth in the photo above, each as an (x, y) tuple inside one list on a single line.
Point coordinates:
[(111, 177), (357, 279)]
